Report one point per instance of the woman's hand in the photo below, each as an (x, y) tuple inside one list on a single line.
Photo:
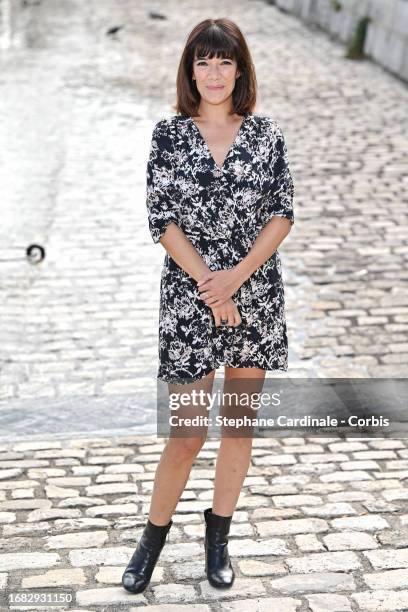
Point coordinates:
[(218, 286), (228, 311)]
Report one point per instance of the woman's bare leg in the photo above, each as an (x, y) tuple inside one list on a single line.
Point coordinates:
[(234, 455), (178, 456)]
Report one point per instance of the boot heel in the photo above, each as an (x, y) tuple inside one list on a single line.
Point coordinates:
[(219, 570), (140, 568)]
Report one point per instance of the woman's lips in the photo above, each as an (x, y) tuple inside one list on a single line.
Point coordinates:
[(215, 87)]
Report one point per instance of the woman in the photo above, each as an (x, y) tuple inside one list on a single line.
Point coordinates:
[(220, 201)]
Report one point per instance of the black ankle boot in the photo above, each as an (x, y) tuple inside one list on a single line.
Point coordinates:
[(137, 575), (220, 572)]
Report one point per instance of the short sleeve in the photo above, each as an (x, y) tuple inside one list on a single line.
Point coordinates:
[(161, 197), (279, 199)]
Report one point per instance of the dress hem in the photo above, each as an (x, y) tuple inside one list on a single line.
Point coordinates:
[(187, 379)]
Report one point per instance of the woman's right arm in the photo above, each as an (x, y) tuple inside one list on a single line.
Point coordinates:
[(183, 252), (162, 201), (162, 206)]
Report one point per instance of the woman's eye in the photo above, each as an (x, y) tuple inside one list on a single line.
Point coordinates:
[(223, 62)]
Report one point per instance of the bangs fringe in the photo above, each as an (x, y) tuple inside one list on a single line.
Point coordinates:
[(214, 42)]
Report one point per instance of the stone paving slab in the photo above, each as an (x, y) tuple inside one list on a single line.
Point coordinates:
[(84, 321), (321, 523), (303, 536), (80, 415)]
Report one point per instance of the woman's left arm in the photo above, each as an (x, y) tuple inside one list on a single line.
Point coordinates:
[(278, 217)]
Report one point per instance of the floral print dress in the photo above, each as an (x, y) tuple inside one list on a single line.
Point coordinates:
[(221, 210)]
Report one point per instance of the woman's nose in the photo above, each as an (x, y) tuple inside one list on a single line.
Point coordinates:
[(214, 70)]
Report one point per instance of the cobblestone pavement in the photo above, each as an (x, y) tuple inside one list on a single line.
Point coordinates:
[(75, 127), (321, 524)]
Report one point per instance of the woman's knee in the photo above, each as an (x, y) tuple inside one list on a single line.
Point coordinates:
[(186, 448), (237, 443)]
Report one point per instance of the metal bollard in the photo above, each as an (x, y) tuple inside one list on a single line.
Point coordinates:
[(35, 253)]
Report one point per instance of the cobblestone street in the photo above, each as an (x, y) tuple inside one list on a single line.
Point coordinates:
[(322, 523), (83, 323)]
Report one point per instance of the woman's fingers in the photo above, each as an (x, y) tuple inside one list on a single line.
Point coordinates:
[(205, 295), (234, 318), (212, 300), (227, 312), (222, 314), (217, 317), (237, 318)]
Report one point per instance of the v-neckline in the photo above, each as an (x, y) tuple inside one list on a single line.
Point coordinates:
[(240, 129)]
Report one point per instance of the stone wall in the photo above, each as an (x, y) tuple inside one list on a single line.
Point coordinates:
[(387, 35)]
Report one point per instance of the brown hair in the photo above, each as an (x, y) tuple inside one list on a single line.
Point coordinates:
[(222, 38)]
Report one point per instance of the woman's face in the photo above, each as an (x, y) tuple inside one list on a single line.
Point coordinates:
[(215, 78)]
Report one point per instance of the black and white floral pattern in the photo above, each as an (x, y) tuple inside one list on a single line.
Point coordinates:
[(221, 211)]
